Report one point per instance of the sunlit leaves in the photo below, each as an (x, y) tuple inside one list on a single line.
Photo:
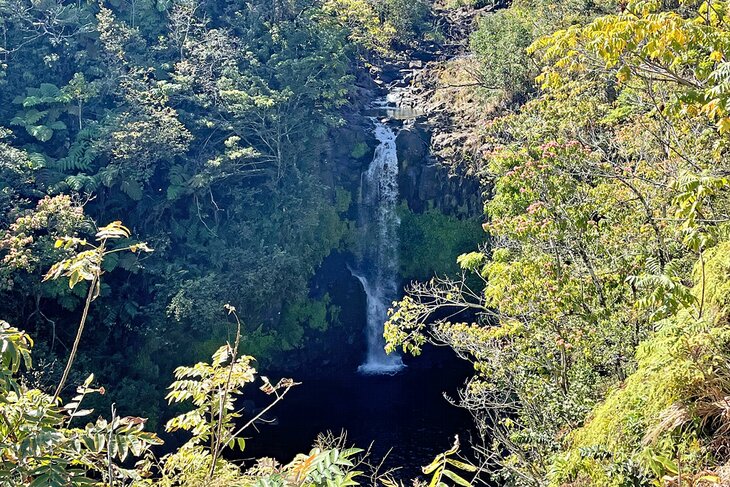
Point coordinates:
[(471, 261), (212, 389), (39, 448), (41, 124), (663, 292), (694, 193), (320, 468), (444, 465), (15, 348), (87, 265), (500, 45), (651, 46), (113, 230), (366, 28), (607, 188)]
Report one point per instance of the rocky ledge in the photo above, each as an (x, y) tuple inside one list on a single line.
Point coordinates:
[(433, 172)]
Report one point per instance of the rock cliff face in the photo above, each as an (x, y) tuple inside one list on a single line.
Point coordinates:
[(352, 145), (430, 177), (425, 182), (350, 152)]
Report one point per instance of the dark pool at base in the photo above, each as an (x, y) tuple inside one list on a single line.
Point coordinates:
[(406, 412)]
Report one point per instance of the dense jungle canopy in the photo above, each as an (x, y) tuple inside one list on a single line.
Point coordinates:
[(181, 194)]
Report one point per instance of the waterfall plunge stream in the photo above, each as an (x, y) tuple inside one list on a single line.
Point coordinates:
[(378, 272), (407, 412)]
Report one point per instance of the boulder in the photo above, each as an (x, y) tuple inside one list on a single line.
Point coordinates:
[(412, 144), (390, 73)]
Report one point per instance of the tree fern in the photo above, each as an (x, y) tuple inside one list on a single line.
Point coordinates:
[(178, 183), (82, 183), (28, 117), (112, 175), (81, 153), (39, 160), (665, 293), (49, 178), (132, 188), (109, 174), (45, 94), (41, 124)]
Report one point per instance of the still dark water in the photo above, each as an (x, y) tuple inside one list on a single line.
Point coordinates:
[(406, 412)]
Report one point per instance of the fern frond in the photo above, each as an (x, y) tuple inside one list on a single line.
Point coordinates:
[(81, 154), (82, 182)]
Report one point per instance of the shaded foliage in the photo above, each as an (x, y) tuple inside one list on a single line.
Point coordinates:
[(206, 127)]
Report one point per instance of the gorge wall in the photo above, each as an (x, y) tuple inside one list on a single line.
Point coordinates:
[(425, 181)]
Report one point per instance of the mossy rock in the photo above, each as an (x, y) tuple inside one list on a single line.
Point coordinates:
[(360, 150)]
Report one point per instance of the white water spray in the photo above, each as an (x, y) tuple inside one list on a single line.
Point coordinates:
[(379, 271)]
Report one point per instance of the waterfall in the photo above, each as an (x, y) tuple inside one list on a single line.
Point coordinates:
[(378, 272)]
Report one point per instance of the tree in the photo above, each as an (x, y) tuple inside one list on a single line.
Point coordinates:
[(608, 189), (87, 266), (500, 45)]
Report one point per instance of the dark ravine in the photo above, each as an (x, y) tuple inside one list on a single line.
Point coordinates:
[(407, 409), (405, 418)]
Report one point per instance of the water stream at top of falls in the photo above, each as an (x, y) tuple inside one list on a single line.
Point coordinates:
[(378, 272)]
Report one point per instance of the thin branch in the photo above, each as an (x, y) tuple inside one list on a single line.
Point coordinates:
[(224, 395), (89, 298)]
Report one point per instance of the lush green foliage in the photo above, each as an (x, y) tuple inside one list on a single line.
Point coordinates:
[(444, 468), (207, 128), (40, 447), (429, 240), (599, 341), (595, 314), (500, 44)]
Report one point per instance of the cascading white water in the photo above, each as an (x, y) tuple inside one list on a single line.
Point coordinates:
[(378, 273)]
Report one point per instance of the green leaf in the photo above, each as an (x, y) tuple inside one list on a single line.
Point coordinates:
[(132, 189), (458, 480), (40, 132), (461, 465), (81, 412), (57, 125), (436, 477), (437, 462)]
